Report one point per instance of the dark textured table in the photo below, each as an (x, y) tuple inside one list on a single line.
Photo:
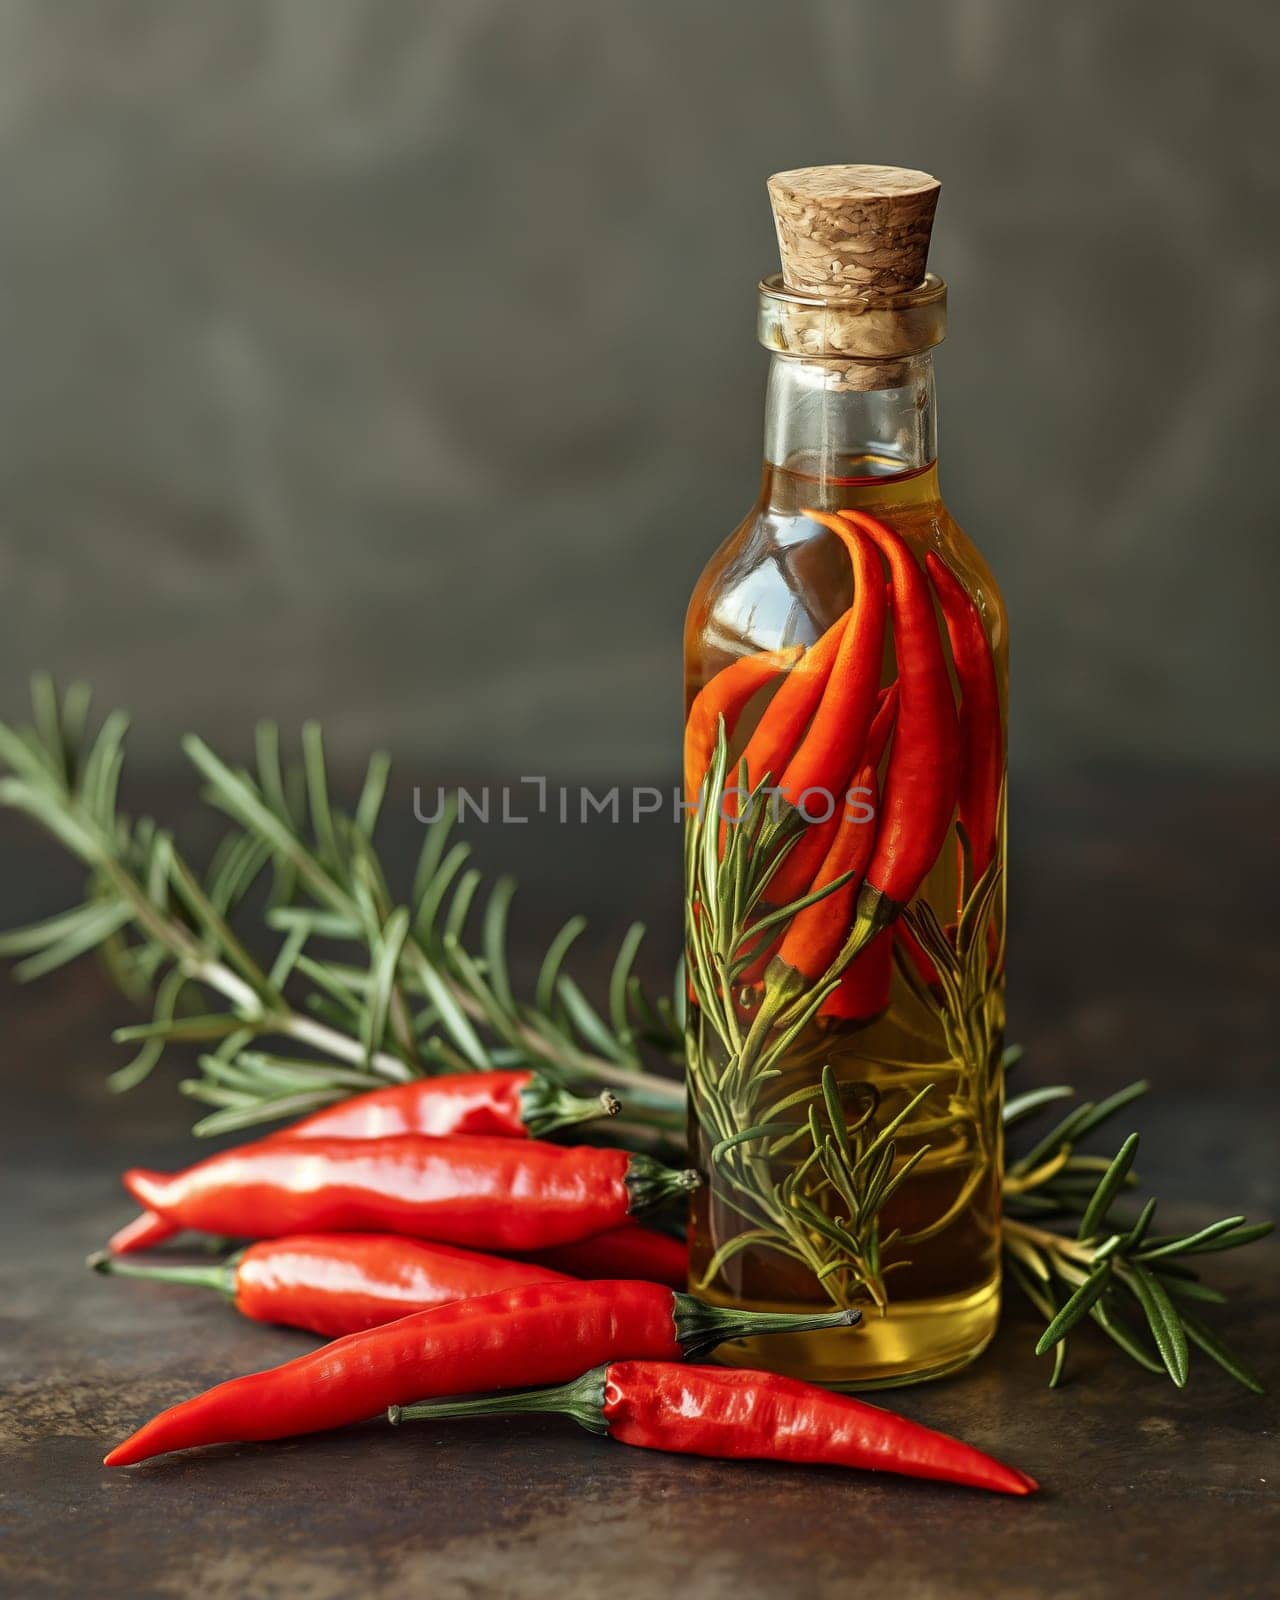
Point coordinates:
[(1144, 942)]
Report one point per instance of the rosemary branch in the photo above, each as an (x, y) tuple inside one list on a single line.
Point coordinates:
[(1130, 1283), (803, 1178), (419, 1001)]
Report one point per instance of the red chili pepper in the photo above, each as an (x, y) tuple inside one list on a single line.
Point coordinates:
[(838, 721), (787, 715), (815, 935), (513, 1105), (144, 1232), (726, 695), (516, 1105), (837, 736), (743, 1415), (864, 984), (489, 1194), (627, 1252), (982, 759), (542, 1333), (795, 875), (882, 724), (922, 778), (336, 1283)]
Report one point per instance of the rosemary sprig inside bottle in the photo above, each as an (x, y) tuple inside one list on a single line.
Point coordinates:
[(807, 1180)]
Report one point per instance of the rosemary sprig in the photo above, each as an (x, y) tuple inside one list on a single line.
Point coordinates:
[(413, 1000), (1132, 1284), (802, 1178)]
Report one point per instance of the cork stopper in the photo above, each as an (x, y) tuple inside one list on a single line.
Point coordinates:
[(853, 232)]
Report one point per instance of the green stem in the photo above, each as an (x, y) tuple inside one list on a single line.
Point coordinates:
[(546, 1106), (649, 1183), (1053, 1243), (340, 1045), (700, 1327), (583, 1400), (219, 1276)]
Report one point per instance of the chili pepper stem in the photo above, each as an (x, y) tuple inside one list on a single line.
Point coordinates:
[(875, 911), (219, 1276), (546, 1106), (700, 1327), (649, 1183), (787, 990), (583, 1400)]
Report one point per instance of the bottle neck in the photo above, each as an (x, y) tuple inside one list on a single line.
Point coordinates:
[(835, 424)]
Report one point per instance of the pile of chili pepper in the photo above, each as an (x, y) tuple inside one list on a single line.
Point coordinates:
[(513, 1105), (446, 1252), (538, 1333), (825, 732)]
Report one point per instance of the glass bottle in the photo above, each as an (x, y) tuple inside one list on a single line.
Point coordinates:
[(846, 689)]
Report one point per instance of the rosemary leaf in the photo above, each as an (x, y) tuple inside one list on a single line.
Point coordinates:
[(620, 978), (1213, 1347), (1026, 1105), (1120, 1335), (1193, 1243), (1104, 1195), (432, 897), (1192, 1289), (460, 905), (588, 1021), (143, 1064), (1166, 1325), (452, 1016), (216, 1025), (545, 990), (494, 941), (107, 917), (386, 963), (372, 794), (231, 1118)]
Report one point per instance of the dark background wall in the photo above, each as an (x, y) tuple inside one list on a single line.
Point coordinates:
[(393, 362)]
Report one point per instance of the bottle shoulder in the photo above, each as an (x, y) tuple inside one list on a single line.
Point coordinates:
[(781, 578)]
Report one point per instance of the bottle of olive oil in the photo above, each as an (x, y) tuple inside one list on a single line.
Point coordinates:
[(846, 691)]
